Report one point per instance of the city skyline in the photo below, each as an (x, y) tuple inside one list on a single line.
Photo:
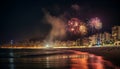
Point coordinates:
[(26, 19)]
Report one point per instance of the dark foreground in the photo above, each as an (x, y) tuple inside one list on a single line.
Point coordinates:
[(85, 58)]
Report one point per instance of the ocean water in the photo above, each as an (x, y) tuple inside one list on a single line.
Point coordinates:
[(51, 59)]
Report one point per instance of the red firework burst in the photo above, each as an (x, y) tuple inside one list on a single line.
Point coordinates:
[(73, 25)]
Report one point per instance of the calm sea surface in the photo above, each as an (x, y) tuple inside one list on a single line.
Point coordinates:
[(51, 59)]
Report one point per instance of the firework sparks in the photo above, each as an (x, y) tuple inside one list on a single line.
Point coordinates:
[(95, 23), (75, 26)]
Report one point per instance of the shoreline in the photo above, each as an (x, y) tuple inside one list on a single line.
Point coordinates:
[(63, 47)]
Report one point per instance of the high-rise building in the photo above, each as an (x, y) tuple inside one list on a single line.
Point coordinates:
[(116, 32), (107, 36)]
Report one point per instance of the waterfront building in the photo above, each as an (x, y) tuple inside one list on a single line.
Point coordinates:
[(116, 33)]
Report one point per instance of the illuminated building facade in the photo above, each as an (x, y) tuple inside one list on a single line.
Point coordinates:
[(116, 33)]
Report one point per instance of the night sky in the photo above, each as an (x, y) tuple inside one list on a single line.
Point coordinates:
[(24, 19)]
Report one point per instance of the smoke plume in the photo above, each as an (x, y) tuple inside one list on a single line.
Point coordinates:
[(58, 27)]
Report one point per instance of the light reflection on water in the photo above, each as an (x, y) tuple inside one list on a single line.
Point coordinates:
[(11, 60), (78, 60), (11, 65)]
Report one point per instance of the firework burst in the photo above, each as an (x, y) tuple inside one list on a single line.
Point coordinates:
[(95, 23), (83, 29), (75, 26)]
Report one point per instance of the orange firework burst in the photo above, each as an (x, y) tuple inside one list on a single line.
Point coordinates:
[(83, 29)]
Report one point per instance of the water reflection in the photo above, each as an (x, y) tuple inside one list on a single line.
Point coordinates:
[(75, 60), (96, 62), (90, 61), (11, 59), (79, 63), (47, 62)]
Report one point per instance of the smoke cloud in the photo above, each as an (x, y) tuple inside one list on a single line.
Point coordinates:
[(58, 30), (75, 7)]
